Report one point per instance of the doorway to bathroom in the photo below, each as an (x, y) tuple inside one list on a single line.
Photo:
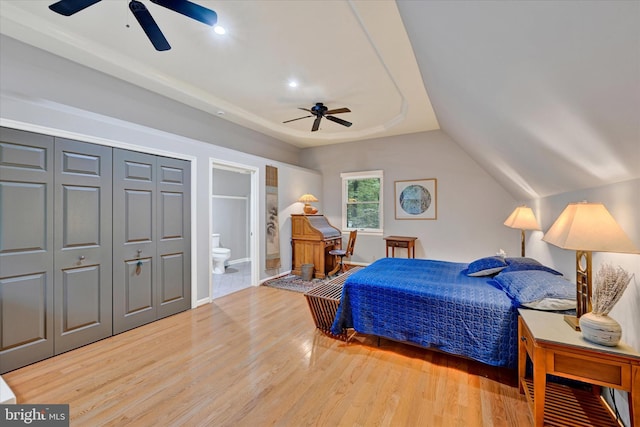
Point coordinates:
[(234, 263)]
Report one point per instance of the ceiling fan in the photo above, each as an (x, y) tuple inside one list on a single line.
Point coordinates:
[(320, 110), (144, 18)]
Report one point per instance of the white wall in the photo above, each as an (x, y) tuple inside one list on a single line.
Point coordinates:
[(471, 205), (623, 202)]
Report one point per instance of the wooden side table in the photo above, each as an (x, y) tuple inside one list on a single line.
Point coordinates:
[(394, 242), (554, 348)]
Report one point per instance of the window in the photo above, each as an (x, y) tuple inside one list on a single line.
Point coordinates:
[(362, 201)]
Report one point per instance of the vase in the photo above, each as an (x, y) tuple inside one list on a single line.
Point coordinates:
[(600, 329)]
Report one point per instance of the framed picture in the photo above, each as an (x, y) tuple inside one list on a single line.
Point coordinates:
[(416, 199)]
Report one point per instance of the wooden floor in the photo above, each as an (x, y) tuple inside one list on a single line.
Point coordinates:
[(254, 358)]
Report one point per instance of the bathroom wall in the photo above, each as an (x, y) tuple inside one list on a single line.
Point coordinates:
[(230, 218)]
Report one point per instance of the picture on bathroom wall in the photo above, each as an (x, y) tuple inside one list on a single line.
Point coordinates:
[(273, 229)]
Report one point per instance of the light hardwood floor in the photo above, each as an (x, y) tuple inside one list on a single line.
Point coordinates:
[(254, 358)]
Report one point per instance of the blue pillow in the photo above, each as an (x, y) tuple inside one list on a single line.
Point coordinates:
[(538, 289), (486, 266), (522, 264)]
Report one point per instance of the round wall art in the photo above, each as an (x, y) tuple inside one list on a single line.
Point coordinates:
[(416, 199)]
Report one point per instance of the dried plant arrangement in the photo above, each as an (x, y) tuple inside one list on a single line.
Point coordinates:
[(611, 283)]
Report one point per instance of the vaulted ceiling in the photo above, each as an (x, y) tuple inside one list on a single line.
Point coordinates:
[(545, 95)]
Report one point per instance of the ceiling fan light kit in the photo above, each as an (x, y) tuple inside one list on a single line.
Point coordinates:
[(319, 111), (143, 16)]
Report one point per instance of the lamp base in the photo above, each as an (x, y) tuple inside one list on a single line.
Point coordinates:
[(309, 210), (573, 321)]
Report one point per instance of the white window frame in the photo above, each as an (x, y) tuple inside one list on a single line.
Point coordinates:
[(346, 176)]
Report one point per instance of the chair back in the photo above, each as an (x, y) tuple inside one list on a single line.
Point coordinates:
[(352, 242)]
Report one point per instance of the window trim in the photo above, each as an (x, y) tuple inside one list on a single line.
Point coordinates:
[(345, 176)]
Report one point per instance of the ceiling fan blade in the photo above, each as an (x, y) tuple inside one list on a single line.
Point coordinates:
[(293, 120), (305, 109), (339, 121), (149, 25), (338, 111), (316, 124), (69, 7), (191, 10)]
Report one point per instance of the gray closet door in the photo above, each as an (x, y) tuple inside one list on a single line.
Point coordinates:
[(82, 260), (26, 248), (134, 242), (173, 236), (151, 232)]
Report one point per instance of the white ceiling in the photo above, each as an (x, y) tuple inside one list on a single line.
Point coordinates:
[(352, 54), (545, 95)]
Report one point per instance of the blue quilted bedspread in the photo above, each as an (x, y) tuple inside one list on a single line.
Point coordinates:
[(432, 304)]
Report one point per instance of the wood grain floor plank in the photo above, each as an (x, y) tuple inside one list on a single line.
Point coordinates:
[(254, 358)]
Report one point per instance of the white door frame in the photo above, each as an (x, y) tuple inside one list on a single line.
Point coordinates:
[(254, 209)]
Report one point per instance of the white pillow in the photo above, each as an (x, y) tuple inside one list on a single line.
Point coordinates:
[(552, 304)]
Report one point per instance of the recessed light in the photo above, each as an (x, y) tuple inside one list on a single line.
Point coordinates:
[(220, 113), (219, 30), (293, 83)]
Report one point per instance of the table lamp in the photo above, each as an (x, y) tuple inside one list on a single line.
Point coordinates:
[(523, 219), (306, 199), (585, 228)]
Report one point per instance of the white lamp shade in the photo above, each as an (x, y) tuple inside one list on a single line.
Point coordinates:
[(588, 227), (522, 218), (307, 198)]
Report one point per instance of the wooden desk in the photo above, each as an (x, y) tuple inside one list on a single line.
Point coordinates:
[(394, 242), (554, 348), (312, 237)]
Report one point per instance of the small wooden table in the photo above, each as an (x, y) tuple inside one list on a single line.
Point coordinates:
[(394, 242), (554, 348)]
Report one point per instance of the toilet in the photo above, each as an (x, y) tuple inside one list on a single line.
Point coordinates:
[(218, 254)]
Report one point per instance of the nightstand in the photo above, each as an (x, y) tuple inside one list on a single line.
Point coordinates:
[(394, 242), (554, 348)]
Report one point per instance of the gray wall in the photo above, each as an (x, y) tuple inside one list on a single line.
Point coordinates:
[(230, 205), (39, 76), (471, 205), (46, 94)]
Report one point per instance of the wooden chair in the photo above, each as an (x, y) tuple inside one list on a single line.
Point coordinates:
[(341, 253)]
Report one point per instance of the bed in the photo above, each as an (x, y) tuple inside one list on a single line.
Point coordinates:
[(438, 305)]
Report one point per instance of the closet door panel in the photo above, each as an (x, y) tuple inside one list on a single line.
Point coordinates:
[(83, 256), (80, 290), (26, 248), (138, 287), (135, 210), (172, 275), (174, 236), (24, 221), (138, 212)]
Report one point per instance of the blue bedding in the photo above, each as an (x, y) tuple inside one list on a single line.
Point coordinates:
[(432, 304)]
